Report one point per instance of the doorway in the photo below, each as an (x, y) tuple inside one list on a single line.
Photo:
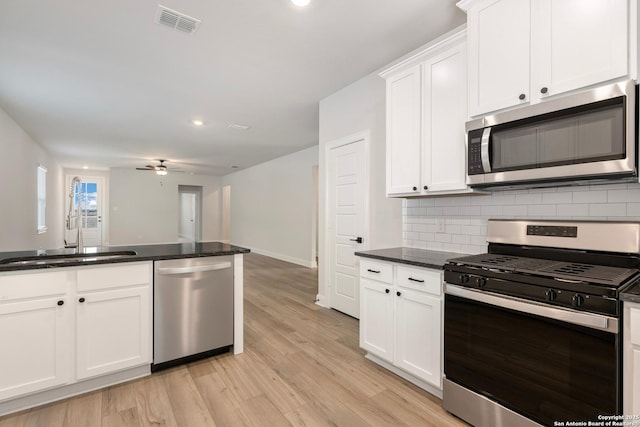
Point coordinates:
[(347, 220), (90, 198), (189, 218), (226, 214)]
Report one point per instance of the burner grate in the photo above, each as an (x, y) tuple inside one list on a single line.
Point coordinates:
[(610, 276), (500, 260), (591, 272), (574, 269)]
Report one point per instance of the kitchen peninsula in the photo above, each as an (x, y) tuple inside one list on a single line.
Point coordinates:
[(72, 323)]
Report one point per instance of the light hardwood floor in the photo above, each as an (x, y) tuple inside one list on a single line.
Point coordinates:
[(301, 367)]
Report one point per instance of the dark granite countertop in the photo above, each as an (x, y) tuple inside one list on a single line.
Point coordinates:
[(142, 253), (631, 294), (412, 256)]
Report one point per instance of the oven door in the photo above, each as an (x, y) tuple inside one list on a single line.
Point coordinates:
[(545, 363)]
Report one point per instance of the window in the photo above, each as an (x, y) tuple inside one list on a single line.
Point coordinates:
[(42, 198)]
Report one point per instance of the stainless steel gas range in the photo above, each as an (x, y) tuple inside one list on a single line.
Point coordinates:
[(532, 328)]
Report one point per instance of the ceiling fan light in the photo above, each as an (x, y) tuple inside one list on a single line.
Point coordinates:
[(161, 171)]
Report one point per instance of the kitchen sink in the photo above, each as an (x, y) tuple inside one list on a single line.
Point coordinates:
[(68, 258)]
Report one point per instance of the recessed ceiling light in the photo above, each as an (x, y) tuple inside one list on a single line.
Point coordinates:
[(197, 122), (85, 167), (301, 3)]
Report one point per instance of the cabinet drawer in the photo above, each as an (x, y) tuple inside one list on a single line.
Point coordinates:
[(380, 271), (114, 276), (634, 322), (420, 279), (25, 285)]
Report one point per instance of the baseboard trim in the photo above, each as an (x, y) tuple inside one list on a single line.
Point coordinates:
[(399, 372), (320, 301), (281, 257), (63, 392)]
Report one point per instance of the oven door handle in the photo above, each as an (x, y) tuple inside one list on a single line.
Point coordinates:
[(589, 320)]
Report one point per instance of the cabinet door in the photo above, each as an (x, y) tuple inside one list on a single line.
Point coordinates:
[(114, 330), (419, 335), (376, 318), (444, 115), (576, 44), (35, 345), (635, 383), (499, 54), (403, 132)]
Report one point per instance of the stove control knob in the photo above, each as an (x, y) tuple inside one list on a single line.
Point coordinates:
[(481, 282), (577, 300), (551, 295), (464, 278)]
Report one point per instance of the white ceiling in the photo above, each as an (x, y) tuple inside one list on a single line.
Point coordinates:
[(100, 84)]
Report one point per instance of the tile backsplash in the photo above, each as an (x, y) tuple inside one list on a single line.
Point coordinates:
[(459, 223)]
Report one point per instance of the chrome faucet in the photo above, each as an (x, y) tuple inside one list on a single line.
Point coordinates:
[(74, 214)]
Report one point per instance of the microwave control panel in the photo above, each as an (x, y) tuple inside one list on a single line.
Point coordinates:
[(474, 154)]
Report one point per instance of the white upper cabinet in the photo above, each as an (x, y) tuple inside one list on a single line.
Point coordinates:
[(577, 43), (403, 128), (426, 113), (521, 51), (498, 37), (444, 113)]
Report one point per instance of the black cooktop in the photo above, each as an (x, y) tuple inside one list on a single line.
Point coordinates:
[(554, 269)]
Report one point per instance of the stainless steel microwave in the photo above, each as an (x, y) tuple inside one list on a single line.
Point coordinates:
[(575, 139)]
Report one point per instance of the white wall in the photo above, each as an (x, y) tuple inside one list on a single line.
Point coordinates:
[(144, 208), (20, 156), (272, 207), (465, 217), (357, 108)]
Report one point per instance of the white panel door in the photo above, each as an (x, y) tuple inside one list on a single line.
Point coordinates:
[(35, 345), (347, 191), (444, 114), (577, 43), (187, 223), (499, 33), (114, 330), (403, 132), (91, 200), (376, 321), (418, 349)]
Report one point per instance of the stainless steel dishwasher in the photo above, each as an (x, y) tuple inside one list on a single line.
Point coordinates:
[(192, 309)]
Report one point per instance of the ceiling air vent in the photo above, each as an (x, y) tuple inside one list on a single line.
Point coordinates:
[(176, 20)]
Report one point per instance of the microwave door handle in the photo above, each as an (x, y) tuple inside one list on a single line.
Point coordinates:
[(484, 150)]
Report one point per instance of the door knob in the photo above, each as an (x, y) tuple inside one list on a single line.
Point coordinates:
[(357, 240)]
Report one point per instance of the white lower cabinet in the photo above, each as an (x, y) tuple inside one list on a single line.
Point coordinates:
[(376, 318), (418, 334), (631, 359), (56, 332), (34, 326), (401, 320), (113, 319)]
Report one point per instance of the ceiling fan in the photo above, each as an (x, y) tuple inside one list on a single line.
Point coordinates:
[(160, 169)]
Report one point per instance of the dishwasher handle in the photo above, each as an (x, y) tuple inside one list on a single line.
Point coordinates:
[(193, 268)]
